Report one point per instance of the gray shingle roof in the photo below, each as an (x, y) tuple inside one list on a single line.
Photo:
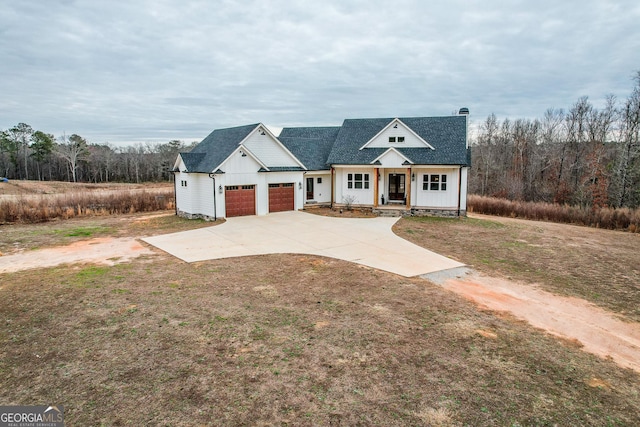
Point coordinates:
[(215, 148), (310, 145), (319, 147), (191, 160), (447, 135)]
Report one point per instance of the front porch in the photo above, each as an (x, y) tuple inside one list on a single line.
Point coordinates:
[(408, 190)]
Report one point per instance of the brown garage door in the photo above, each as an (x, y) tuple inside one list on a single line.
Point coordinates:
[(281, 197), (240, 200)]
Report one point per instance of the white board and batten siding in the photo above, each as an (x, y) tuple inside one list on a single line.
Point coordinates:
[(438, 198), (392, 159), (269, 151), (411, 140), (463, 188), (201, 194), (322, 189), (361, 196), (182, 185)]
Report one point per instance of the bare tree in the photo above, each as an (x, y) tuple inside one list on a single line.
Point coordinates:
[(72, 150), (627, 173)]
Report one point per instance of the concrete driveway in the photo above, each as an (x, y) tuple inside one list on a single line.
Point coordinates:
[(366, 241)]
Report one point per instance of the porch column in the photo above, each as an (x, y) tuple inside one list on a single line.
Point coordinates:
[(375, 187), (408, 181)]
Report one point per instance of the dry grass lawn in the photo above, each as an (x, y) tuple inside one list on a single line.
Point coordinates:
[(298, 340), (598, 265)]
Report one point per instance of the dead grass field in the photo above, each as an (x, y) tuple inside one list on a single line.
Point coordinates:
[(40, 201), (298, 340), (32, 188)]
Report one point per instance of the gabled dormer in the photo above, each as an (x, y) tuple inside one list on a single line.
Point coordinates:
[(392, 158), (396, 135)]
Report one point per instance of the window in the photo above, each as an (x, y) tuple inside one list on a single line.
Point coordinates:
[(434, 182), (392, 139), (183, 183), (401, 139), (319, 180), (358, 180)]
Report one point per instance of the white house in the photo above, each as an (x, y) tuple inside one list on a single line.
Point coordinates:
[(415, 165)]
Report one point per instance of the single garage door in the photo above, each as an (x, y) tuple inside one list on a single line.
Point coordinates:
[(240, 200), (281, 197)]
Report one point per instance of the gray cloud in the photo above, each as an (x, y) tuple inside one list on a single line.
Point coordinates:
[(158, 70)]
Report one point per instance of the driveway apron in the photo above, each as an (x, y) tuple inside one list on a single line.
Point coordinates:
[(366, 241)]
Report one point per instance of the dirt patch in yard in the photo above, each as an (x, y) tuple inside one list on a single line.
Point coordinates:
[(595, 330), (101, 250), (17, 238)]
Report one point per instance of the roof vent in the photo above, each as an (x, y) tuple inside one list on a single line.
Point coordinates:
[(464, 111)]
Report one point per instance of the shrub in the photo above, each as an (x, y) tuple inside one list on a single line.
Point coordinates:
[(348, 202), (603, 217)]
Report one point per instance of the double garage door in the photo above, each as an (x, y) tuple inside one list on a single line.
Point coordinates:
[(241, 199)]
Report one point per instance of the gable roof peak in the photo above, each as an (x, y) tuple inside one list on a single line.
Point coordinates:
[(394, 124)]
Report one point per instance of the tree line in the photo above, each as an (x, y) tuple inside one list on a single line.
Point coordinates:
[(583, 156), (26, 153)]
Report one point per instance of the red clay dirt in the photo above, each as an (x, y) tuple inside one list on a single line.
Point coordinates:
[(101, 250), (596, 330)]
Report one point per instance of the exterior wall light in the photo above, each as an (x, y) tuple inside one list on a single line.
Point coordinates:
[(299, 185), (413, 177), (220, 189)]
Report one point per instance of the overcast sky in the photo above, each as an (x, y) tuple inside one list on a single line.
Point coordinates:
[(155, 70)]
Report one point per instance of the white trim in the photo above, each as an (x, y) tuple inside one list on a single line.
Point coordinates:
[(354, 166), (452, 167), (395, 151), (318, 172), (275, 139), (395, 121)]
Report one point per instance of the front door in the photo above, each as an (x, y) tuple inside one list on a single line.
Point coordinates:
[(396, 186), (310, 188)]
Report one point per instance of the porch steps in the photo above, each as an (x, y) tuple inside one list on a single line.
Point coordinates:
[(390, 212)]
